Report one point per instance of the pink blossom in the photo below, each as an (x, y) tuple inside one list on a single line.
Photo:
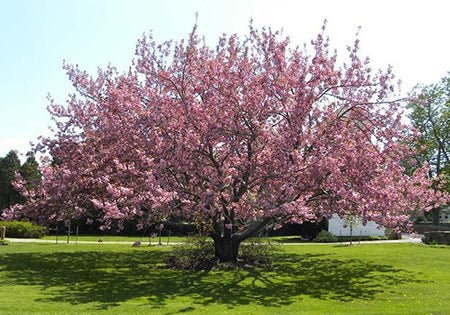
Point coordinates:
[(232, 138)]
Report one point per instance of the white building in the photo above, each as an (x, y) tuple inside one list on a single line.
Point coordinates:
[(336, 227)]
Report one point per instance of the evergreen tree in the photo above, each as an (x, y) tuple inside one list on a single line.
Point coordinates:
[(30, 172), (9, 165)]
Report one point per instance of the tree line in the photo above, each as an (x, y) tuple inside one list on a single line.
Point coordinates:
[(10, 166), (430, 116)]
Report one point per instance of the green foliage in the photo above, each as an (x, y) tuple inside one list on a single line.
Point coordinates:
[(392, 234), (256, 252), (437, 238), (430, 114), (196, 254), (30, 172), (9, 165), (362, 238), (325, 237), (23, 229), (352, 220), (4, 242)]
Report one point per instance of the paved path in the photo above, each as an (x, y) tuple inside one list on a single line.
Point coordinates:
[(406, 238)]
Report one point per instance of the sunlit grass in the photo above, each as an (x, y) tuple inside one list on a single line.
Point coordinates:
[(327, 279), (115, 238)]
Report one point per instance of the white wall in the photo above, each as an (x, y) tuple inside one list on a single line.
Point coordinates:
[(336, 227)]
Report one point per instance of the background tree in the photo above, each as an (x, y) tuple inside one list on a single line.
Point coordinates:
[(29, 172), (352, 221), (9, 165), (233, 138), (430, 115), (9, 168)]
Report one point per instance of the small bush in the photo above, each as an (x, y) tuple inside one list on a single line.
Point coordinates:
[(437, 238), (199, 254), (362, 238), (256, 252), (4, 242), (325, 237), (392, 235), (196, 254), (23, 229), (377, 238)]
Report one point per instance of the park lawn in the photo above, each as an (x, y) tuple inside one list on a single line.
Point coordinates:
[(117, 238), (153, 240), (312, 279)]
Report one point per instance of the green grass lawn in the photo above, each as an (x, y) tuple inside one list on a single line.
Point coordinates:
[(154, 240), (164, 239), (116, 238), (314, 279)]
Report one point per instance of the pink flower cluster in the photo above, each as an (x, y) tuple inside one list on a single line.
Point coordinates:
[(252, 131)]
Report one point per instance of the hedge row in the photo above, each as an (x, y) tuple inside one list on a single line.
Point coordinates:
[(23, 229)]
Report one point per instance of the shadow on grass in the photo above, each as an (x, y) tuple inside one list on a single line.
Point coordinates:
[(109, 278)]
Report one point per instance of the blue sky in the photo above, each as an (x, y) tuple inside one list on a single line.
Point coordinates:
[(37, 35)]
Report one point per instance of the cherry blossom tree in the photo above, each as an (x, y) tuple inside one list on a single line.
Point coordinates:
[(249, 133)]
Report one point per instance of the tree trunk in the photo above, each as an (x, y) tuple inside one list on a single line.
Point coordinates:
[(226, 249), (226, 243), (351, 234)]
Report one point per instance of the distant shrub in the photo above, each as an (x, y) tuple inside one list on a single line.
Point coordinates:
[(377, 238), (196, 254), (437, 238), (256, 252), (362, 238), (393, 235), (4, 242), (325, 237), (23, 229)]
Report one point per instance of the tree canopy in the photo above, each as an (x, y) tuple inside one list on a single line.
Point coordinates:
[(9, 166), (251, 132), (430, 115)]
